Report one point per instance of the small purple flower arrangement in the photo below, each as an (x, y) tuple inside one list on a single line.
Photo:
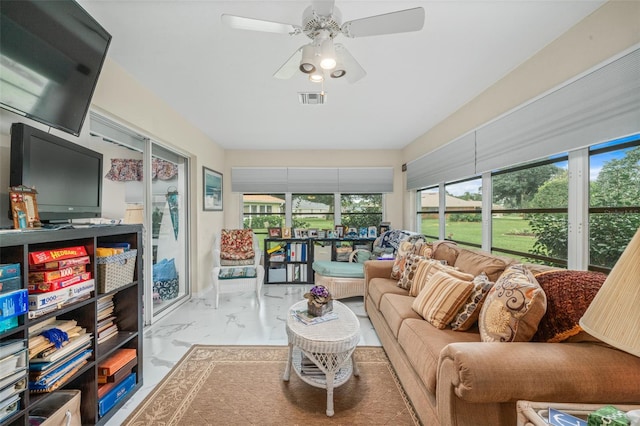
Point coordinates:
[(319, 300)]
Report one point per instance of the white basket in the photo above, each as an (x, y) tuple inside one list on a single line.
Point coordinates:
[(115, 271)]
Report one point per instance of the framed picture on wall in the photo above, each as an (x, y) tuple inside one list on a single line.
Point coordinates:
[(211, 190)]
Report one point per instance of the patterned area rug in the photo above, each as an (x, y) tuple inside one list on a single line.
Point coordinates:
[(232, 385)]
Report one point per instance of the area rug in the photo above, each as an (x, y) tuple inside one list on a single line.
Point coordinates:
[(242, 385)]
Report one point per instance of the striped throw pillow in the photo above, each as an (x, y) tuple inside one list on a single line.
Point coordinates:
[(441, 298)]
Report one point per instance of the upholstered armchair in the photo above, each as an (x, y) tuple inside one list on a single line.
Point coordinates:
[(236, 263)]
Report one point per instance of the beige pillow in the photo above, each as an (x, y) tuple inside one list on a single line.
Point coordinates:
[(441, 298), (470, 311), (426, 269), (409, 272), (475, 263), (513, 308)]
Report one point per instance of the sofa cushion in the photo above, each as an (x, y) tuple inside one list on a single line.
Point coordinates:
[(445, 250), (513, 308), (441, 298), (425, 270), (378, 287), (395, 309), (406, 248), (470, 311), (410, 266), (569, 294), (475, 263), (422, 344)]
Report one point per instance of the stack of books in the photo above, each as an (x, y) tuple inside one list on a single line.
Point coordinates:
[(107, 327), (116, 378), (13, 299), (308, 368), (13, 373), (305, 317), (58, 277), (52, 363)]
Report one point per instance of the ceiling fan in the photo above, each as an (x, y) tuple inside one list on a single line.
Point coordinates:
[(322, 23)]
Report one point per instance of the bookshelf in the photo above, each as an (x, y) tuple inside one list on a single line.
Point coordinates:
[(293, 258), (288, 261), (127, 300)]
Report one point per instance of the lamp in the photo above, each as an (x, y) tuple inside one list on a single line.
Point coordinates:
[(316, 77), (308, 60), (328, 53), (614, 314)]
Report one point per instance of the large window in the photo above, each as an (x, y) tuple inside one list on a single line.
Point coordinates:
[(314, 211), (361, 210), (529, 213), (262, 211), (463, 212), (428, 202), (614, 199)]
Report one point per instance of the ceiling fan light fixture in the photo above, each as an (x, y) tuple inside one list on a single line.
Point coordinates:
[(308, 60), (328, 52), (338, 73), (316, 77)]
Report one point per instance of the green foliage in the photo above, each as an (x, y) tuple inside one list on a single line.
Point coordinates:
[(465, 217), (610, 234), (618, 182), (551, 232), (263, 221), (354, 220), (554, 193), (515, 190)]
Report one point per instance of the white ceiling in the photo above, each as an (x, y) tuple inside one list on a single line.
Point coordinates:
[(221, 80)]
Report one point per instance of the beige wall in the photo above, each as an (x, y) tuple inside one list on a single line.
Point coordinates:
[(608, 31), (311, 158)]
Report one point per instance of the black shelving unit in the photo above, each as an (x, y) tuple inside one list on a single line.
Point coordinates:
[(290, 264), (15, 247)]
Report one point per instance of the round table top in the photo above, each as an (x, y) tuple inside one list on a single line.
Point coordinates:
[(335, 335)]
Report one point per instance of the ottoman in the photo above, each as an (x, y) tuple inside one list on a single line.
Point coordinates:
[(342, 279)]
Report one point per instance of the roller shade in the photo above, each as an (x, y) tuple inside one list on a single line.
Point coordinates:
[(455, 160), (115, 133), (312, 180), (598, 107)]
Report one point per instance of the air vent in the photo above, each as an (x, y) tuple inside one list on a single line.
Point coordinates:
[(312, 98)]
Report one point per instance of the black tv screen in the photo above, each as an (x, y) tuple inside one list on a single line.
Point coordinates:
[(67, 176), (51, 54)]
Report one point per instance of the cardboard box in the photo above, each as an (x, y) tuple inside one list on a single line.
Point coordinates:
[(43, 300), (9, 270), (13, 303), (10, 284)]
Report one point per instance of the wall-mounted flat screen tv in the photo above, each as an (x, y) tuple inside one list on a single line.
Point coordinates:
[(51, 54), (67, 176)]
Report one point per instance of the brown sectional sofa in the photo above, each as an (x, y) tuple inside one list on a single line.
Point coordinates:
[(453, 378)]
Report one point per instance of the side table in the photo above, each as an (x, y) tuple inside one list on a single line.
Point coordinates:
[(537, 413), (329, 345)]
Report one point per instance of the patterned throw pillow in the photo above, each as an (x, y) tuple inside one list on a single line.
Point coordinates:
[(411, 263), (236, 244), (405, 248), (441, 298), (513, 308), (426, 269), (470, 311), (569, 294)]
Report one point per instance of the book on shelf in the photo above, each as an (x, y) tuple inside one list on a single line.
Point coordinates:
[(119, 375), (108, 333), (116, 361), (305, 317), (309, 368), (69, 347), (116, 394), (10, 347), (9, 270), (44, 380)]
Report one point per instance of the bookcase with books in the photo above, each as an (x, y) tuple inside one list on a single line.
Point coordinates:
[(68, 328), (287, 261)]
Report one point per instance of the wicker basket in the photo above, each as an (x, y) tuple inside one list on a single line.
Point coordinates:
[(116, 271)]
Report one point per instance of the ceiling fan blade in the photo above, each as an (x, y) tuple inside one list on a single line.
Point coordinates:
[(401, 21), (251, 24), (323, 7), (289, 68), (354, 70)]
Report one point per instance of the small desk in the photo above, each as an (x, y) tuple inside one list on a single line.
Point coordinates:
[(328, 345)]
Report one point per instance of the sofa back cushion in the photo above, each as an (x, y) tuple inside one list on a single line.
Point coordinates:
[(475, 263), (513, 308), (441, 298), (445, 250)]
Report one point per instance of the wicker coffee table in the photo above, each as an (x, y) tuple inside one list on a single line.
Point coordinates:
[(328, 345)]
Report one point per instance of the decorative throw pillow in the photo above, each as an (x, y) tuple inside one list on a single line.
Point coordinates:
[(398, 267), (236, 244), (411, 263), (513, 308), (569, 294), (470, 311), (425, 270), (441, 298), (406, 248)]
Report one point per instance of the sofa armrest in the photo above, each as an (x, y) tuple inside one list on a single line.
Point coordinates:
[(562, 372), (375, 269)]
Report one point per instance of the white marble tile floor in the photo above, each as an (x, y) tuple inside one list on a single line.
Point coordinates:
[(239, 320)]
